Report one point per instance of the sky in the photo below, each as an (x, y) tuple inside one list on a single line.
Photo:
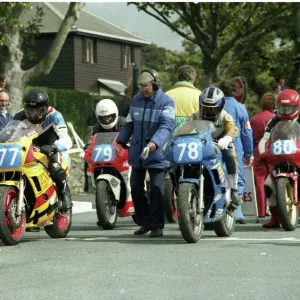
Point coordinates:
[(129, 18)]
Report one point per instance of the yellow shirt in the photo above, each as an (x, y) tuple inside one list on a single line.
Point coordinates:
[(186, 98)]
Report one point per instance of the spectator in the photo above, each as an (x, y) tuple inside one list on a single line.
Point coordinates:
[(244, 141), (276, 89), (184, 94), (3, 82), (260, 168), (124, 104), (281, 82), (5, 116), (149, 122)]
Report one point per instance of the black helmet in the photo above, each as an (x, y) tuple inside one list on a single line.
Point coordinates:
[(36, 104)]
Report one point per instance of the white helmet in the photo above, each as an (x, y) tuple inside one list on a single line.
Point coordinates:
[(107, 113)]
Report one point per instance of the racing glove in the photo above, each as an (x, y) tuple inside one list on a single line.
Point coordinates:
[(49, 149), (262, 143), (224, 142)]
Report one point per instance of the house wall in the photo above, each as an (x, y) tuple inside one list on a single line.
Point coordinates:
[(108, 64), (62, 73)]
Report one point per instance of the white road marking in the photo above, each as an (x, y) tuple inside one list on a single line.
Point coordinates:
[(81, 207)]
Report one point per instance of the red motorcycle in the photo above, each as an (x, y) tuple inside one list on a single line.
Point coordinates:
[(110, 179), (283, 156)]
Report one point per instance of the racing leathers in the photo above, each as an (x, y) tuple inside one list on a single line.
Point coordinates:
[(62, 144), (226, 132)]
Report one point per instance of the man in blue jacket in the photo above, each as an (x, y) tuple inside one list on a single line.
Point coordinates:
[(149, 124), (244, 142)]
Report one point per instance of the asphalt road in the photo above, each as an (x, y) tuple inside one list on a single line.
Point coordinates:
[(95, 264)]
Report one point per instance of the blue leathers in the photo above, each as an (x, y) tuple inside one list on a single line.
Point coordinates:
[(243, 143), (149, 120)]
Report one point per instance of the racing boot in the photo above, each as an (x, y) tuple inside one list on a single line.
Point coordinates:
[(235, 198), (64, 197), (274, 222)]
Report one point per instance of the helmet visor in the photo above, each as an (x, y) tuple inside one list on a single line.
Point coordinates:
[(106, 120), (35, 114), (287, 110), (210, 112)]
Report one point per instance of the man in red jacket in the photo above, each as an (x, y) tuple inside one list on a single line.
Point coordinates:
[(261, 170)]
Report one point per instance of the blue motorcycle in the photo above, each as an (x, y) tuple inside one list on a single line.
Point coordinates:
[(200, 181)]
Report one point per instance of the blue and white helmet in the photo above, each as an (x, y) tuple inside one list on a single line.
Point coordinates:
[(211, 103)]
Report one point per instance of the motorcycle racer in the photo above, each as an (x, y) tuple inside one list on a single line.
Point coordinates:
[(38, 114)]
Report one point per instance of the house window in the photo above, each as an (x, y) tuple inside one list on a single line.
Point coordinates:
[(127, 56), (89, 51)]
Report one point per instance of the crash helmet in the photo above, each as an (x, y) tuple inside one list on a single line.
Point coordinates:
[(36, 104), (211, 103), (287, 104), (107, 113)]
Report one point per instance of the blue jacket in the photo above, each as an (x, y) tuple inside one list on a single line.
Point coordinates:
[(244, 142), (4, 120), (160, 108)]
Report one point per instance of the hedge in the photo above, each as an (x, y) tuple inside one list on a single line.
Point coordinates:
[(74, 106)]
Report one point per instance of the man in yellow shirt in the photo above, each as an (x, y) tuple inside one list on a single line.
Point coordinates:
[(184, 94)]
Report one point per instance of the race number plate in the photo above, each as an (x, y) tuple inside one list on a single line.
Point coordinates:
[(283, 147), (10, 156), (103, 153)]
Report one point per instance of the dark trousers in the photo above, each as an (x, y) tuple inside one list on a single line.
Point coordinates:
[(148, 212)]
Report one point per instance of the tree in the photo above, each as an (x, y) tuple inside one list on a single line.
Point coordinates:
[(13, 37), (217, 27)]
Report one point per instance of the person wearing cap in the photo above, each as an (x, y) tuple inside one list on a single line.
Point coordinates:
[(184, 94), (148, 124)]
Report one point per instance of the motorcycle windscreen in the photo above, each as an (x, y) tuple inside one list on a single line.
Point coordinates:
[(285, 138), (104, 149), (187, 150)]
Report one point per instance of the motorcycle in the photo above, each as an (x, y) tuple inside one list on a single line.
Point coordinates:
[(110, 179), (200, 181), (28, 197), (282, 153)]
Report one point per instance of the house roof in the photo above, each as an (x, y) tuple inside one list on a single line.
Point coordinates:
[(86, 24), (117, 86)]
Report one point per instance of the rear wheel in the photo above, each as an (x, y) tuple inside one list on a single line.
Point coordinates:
[(225, 226), (288, 212), (190, 218), (170, 202), (61, 225), (12, 227), (106, 205)]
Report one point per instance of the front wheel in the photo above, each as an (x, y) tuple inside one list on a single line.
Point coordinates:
[(106, 205), (190, 217), (12, 227), (288, 212)]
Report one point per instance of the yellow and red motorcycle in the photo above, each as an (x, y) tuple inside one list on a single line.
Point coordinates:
[(28, 197)]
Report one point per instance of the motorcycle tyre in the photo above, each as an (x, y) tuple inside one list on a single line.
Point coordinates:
[(5, 235), (102, 196), (170, 202), (285, 219), (223, 228), (183, 207), (54, 230)]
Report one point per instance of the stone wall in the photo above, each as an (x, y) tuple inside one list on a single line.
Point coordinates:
[(76, 176)]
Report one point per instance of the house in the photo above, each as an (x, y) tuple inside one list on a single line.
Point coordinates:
[(96, 56)]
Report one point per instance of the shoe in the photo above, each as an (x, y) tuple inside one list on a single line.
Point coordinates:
[(64, 202), (156, 232), (241, 221), (274, 222), (143, 229)]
